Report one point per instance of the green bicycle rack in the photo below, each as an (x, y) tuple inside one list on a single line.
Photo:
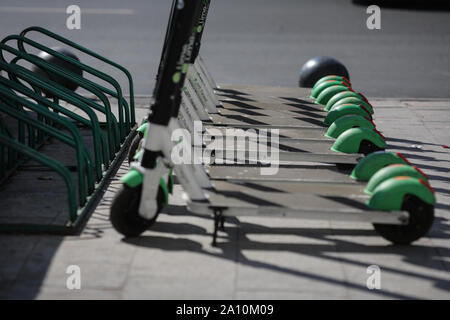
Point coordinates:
[(36, 110)]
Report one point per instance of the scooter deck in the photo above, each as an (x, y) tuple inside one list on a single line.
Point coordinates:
[(256, 109), (290, 110), (293, 148), (297, 127), (275, 107), (235, 118), (263, 93), (259, 100), (293, 174), (237, 200), (313, 187), (309, 153), (285, 133), (301, 191), (292, 141), (294, 144)]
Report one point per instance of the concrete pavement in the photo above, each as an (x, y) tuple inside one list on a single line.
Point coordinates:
[(257, 258)]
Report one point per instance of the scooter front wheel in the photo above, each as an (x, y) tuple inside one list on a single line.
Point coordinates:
[(124, 214)]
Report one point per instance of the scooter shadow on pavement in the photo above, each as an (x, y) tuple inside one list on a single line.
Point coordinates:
[(234, 240)]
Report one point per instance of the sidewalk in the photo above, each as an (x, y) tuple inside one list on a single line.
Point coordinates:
[(257, 258)]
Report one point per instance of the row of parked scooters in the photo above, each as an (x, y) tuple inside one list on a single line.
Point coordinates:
[(335, 127)]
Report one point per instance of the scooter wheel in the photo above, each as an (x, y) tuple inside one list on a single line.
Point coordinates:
[(124, 214), (421, 217), (367, 147), (134, 146)]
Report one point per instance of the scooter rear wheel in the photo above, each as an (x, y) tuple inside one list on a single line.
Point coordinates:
[(367, 147), (421, 217)]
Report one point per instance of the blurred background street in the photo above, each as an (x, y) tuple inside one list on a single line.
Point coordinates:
[(264, 42)]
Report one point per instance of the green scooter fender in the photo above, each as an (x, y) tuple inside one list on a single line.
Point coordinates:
[(351, 140), (390, 193), (343, 110), (325, 84), (329, 92), (373, 162), (134, 178), (332, 77), (143, 128), (392, 171), (353, 100), (347, 122), (345, 94)]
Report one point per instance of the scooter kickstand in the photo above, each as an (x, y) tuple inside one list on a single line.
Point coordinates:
[(222, 223), (218, 222)]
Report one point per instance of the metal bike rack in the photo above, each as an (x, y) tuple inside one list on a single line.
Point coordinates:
[(39, 109)]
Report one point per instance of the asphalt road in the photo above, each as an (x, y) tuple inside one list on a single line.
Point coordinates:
[(264, 42)]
